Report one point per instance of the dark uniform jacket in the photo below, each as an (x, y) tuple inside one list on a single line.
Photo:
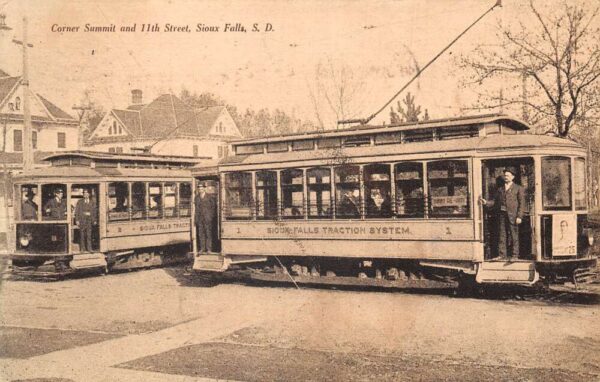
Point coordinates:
[(56, 210), (29, 210), (85, 213), (206, 208), (511, 200)]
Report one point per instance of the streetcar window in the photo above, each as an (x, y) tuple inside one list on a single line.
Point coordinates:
[(138, 200), (347, 191), (579, 186), (238, 195), (277, 147), (448, 188), (329, 143), (303, 145), (118, 201), (388, 138), (319, 192), (54, 202), (378, 191), (185, 199), (170, 202), (266, 194), (155, 200), (410, 198), (30, 201), (556, 183), (249, 149), (292, 189)]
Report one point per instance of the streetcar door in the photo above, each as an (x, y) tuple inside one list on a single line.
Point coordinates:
[(88, 216), (492, 176), (211, 185)]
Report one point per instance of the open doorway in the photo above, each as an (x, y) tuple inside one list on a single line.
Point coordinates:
[(493, 171), (207, 214), (84, 216)]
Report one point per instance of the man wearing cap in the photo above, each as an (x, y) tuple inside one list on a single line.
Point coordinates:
[(56, 208), (509, 204), (206, 210), (85, 218)]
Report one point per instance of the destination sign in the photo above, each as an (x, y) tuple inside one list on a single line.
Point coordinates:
[(145, 227)]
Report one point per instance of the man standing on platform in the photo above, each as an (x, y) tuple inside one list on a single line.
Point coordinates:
[(85, 218), (509, 203), (206, 210)]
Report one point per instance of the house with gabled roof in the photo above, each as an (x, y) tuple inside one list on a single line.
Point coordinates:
[(53, 129), (165, 126)]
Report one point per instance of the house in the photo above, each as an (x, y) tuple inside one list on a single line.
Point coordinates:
[(165, 126), (52, 130)]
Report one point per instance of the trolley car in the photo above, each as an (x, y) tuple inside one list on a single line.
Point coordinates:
[(401, 202), (142, 203)]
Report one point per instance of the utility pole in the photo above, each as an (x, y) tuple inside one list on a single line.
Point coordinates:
[(81, 113), (27, 148)]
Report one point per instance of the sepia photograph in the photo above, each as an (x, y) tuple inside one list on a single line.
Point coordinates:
[(261, 190)]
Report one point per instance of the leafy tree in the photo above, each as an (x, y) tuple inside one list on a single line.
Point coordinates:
[(548, 65)]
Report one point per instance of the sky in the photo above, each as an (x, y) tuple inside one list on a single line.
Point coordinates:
[(378, 41)]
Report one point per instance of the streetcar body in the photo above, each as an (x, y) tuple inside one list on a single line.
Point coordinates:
[(142, 213), (284, 201)]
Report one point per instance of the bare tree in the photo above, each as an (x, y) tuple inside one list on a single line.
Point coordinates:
[(336, 92), (548, 66)]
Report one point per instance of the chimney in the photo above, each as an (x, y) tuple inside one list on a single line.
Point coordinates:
[(136, 97)]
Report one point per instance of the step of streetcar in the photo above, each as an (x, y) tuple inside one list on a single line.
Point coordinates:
[(507, 272), (88, 260), (210, 262)]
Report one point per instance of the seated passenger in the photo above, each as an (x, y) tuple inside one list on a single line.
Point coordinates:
[(349, 205), (121, 201), (29, 207), (378, 205)]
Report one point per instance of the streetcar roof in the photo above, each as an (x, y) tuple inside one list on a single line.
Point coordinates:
[(97, 173), (119, 158), (505, 120), (474, 144)]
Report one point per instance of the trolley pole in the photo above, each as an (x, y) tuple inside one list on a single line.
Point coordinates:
[(27, 147)]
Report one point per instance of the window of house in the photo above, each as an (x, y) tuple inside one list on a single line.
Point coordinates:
[(34, 139), (266, 194), (347, 191), (410, 199), (220, 151), (62, 140), (17, 140), (238, 195), (292, 190), (120, 130), (114, 128), (319, 192), (195, 150), (112, 150), (118, 201), (378, 190), (155, 200), (448, 188), (138, 200), (119, 150), (185, 199), (556, 183), (18, 103), (579, 186), (170, 200), (221, 130)]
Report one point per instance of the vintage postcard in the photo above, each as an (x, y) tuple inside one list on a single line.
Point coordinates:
[(347, 190)]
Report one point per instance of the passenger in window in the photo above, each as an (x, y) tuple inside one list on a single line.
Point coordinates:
[(85, 218), (378, 205), (349, 204), (121, 201), (509, 205), (56, 208), (29, 207), (205, 216)]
